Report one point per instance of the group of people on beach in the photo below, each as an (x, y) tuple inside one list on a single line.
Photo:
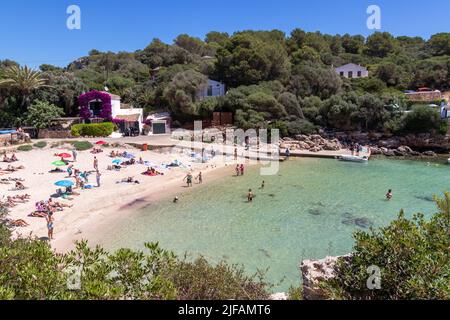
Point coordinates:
[(189, 178), (10, 160), (240, 170), (356, 148)]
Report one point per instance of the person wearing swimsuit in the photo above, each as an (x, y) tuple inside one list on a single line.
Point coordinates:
[(189, 180), (250, 195), (50, 225)]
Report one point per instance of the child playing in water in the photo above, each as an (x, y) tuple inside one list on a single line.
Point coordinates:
[(389, 195)]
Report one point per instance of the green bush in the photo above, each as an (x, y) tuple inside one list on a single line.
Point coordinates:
[(421, 119), (301, 126), (93, 130), (443, 127), (26, 147), (40, 144), (413, 257), (82, 145)]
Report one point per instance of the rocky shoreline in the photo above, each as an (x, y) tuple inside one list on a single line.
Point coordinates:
[(422, 146)]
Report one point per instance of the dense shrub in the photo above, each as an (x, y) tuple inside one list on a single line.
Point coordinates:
[(40, 144), (93, 130), (82, 145), (26, 147), (413, 257), (301, 126), (30, 270), (421, 119)]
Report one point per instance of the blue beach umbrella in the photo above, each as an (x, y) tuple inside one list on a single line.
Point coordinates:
[(64, 183)]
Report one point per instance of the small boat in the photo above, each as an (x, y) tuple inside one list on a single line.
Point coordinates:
[(353, 158)]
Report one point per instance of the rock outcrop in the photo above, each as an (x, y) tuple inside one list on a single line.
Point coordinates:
[(313, 143), (279, 296), (315, 271)]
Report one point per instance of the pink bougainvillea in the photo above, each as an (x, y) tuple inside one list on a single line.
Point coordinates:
[(85, 99)]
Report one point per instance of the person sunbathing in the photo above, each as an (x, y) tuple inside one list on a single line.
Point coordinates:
[(151, 172), (6, 159), (14, 158), (57, 205), (10, 168), (18, 223), (20, 186), (129, 180), (38, 214), (10, 202), (56, 170)]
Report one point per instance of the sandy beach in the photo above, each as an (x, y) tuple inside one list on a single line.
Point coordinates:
[(101, 206)]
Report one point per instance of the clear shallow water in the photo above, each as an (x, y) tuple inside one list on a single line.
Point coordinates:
[(309, 210)]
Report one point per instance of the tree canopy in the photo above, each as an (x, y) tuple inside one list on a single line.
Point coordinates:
[(270, 76)]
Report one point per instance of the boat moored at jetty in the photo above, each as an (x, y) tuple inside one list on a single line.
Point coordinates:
[(350, 158)]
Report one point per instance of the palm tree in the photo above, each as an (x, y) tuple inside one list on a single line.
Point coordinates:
[(24, 81)]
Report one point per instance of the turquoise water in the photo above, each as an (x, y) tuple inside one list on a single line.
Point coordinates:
[(309, 210)]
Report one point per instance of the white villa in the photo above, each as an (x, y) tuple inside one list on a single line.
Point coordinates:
[(94, 103), (214, 89), (352, 71)]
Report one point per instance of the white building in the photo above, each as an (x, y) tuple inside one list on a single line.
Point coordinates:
[(352, 71), (159, 123), (132, 117), (214, 89)]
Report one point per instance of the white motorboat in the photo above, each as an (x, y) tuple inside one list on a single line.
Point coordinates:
[(353, 158)]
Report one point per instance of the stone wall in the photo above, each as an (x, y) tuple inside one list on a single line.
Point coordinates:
[(47, 134)]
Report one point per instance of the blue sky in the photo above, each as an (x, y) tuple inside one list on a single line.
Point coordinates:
[(34, 32)]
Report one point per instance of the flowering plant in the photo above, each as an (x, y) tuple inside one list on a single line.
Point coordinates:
[(85, 99)]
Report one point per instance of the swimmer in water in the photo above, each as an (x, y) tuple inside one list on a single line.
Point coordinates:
[(250, 195), (389, 195), (176, 199)]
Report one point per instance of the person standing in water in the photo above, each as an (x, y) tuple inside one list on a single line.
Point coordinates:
[(200, 178), (242, 169), (50, 226), (389, 195), (263, 185), (188, 179), (238, 170), (250, 195)]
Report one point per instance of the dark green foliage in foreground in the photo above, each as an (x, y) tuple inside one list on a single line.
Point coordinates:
[(93, 130), (413, 255), (30, 270)]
